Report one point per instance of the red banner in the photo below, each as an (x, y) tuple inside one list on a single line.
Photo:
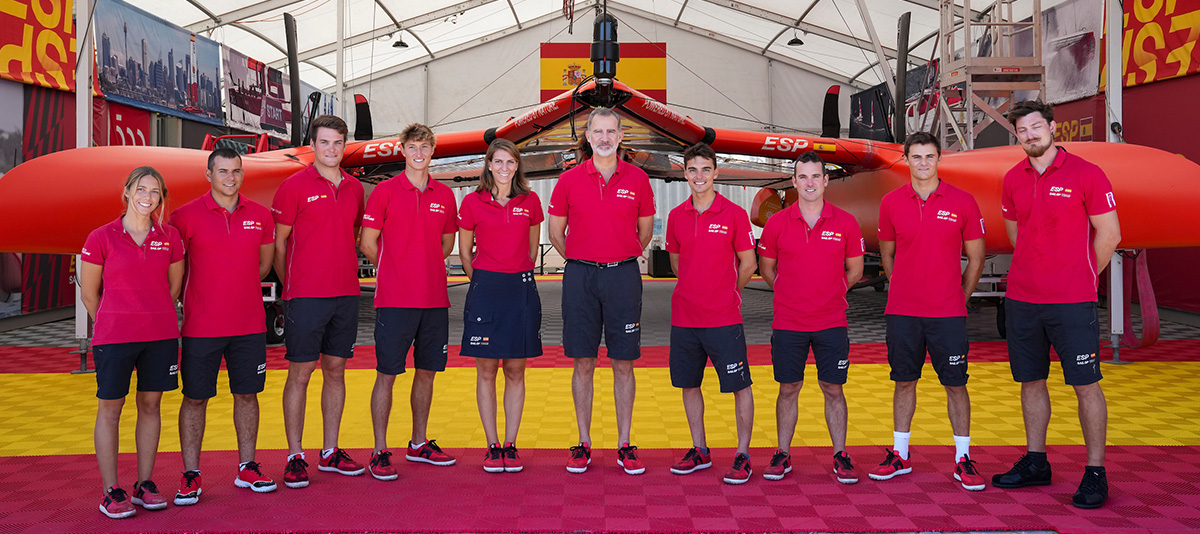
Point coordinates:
[(37, 43), (1159, 42), (128, 126)]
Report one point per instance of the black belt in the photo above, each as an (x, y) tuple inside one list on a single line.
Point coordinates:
[(603, 265)]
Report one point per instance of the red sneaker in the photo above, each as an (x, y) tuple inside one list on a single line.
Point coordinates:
[(340, 462), (429, 453), (116, 504), (891, 466), (581, 457), (741, 471), (843, 469), (693, 460), (251, 477), (493, 459), (966, 473), (295, 475), (381, 466), (189, 489), (627, 459), (781, 464), (146, 495), (512, 460)]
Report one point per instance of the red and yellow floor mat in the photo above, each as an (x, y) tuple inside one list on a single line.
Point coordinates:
[(49, 483)]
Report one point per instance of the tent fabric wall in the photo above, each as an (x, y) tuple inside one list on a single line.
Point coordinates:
[(471, 90)]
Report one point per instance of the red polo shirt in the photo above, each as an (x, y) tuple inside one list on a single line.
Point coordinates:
[(926, 277), (321, 259), (135, 293), (810, 281), (602, 217), (501, 232), (411, 268), (1054, 261), (222, 294), (706, 294)]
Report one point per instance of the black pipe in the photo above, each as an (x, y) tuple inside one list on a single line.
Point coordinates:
[(289, 27), (901, 111)]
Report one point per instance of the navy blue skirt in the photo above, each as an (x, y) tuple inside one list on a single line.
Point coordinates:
[(502, 317)]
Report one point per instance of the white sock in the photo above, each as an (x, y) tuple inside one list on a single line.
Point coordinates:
[(299, 455), (326, 452), (416, 445), (242, 465), (900, 441), (961, 446)]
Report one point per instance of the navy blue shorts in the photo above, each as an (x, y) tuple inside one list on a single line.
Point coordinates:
[(604, 300), (944, 338), (425, 330), (691, 348), (245, 359), (830, 349), (317, 326), (502, 317), (1072, 329), (157, 364)]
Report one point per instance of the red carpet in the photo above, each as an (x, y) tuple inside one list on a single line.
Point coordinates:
[(60, 360), (1154, 489)]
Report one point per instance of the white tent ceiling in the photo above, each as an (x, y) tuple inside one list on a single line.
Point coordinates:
[(836, 41)]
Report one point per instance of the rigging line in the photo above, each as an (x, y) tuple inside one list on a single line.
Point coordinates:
[(685, 67), (768, 124), (509, 110), (489, 84), (851, 32), (299, 11)]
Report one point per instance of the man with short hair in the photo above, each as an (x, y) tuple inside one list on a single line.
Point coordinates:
[(924, 226), (810, 254), (230, 245), (712, 253), (408, 230), (609, 206), (317, 213), (1063, 209)]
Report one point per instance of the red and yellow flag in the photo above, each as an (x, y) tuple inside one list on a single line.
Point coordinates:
[(643, 66)]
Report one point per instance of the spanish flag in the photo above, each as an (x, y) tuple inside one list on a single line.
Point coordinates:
[(643, 66)]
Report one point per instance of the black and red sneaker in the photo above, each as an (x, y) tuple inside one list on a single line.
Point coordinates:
[(581, 458), (116, 504), (250, 476), (428, 453), (512, 460), (295, 475), (189, 489)]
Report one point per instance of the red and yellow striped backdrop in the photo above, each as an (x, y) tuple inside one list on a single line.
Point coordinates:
[(643, 66)]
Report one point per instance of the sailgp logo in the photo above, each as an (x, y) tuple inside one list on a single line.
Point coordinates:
[(947, 215), (434, 207), (1112, 202), (625, 193), (830, 235), (718, 229)]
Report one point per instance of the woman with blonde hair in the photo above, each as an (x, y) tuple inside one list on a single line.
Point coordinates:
[(499, 232), (130, 277)]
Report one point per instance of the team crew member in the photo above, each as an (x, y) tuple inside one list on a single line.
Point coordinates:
[(1063, 209), (230, 245), (924, 227), (129, 278), (499, 231), (609, 207), (810, 254), (712, 253), (408, 230), (317, 212)]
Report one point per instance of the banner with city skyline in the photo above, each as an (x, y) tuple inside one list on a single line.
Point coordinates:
[(146, 62)]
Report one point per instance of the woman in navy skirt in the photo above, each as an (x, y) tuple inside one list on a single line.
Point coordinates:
[(499, 230)]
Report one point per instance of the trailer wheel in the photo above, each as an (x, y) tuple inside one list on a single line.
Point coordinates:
[(275, 324)]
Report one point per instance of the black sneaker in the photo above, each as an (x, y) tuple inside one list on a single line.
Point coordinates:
[(1023, 473), (1093, 489)]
